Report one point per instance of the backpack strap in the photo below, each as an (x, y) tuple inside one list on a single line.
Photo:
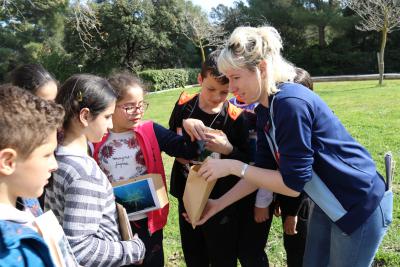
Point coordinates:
[(316, 189)]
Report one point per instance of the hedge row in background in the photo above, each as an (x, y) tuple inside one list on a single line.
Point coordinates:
[(164, 79)]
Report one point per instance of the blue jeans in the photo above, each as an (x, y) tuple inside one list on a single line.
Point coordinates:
[(327, 245)]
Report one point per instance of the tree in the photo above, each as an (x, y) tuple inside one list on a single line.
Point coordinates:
[(325, 16), (198, 29), (29, 30), (231, 17), (377, 15)]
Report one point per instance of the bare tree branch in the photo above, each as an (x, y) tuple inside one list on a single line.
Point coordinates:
[(11, 9), (376, 14), (86, 23), (198, 30)]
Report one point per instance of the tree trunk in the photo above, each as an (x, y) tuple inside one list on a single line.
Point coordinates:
[(381, 62), (321, 35), (203, 54)]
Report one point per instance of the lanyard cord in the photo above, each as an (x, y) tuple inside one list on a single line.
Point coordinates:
[(196, 104)]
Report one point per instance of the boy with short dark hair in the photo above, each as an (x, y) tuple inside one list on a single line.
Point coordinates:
[(232, 234), (28, 126)]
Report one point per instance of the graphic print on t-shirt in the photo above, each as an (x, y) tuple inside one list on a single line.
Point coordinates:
[(121, 157)]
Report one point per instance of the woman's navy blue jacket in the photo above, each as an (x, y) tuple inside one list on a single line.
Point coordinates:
[(313, 145)]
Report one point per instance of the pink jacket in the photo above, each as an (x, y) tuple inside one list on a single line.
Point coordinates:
[(152, 157)]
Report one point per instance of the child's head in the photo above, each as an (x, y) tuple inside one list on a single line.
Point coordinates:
[(130, 102), (303, 77), (28, 127), (89, 102), (36, 79), (214, 85)]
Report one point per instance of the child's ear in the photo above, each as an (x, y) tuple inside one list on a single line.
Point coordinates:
[(263, 68), (8, 158), (84, 115), (199, 79)]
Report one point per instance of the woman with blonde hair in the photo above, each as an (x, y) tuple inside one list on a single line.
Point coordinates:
[(302, 146)]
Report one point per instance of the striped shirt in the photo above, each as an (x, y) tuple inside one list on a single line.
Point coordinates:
[(82, 199)]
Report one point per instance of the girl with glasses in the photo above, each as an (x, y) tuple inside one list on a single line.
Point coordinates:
[(133, 148)]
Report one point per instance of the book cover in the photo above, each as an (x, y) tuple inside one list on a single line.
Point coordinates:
[(137, 196)]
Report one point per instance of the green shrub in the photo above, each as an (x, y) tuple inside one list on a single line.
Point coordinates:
[(158, 80), (192, 76), (164, 79)]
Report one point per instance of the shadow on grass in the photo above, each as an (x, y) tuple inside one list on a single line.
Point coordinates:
[(379, 263)]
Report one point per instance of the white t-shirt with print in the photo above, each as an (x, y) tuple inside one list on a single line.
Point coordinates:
[(120, 157)]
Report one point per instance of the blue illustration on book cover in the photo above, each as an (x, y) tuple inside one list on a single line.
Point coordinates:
[(137, 197)]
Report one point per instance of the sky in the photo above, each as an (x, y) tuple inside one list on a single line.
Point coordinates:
[(208, 4)]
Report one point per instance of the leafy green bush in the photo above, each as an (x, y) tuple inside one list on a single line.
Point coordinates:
[(168, 78), (192, 76)]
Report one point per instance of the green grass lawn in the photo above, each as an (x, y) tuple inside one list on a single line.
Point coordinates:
[(371, 115)]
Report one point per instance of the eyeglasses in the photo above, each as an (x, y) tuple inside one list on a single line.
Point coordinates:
[(132, 109)]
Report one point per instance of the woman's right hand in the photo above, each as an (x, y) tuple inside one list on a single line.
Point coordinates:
[(213, 169), (195, 129)]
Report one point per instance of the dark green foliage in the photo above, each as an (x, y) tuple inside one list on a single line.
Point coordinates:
[(192, 75), (61, 65), (317, 35)]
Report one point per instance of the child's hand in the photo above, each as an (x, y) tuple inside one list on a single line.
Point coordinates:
[(218, 142), (261, 214), (289, 226), (195, 129), (182, 161), (277, 209), (138, 262), (136, 237)]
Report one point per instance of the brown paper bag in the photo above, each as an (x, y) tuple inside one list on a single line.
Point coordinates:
[(197, 191)]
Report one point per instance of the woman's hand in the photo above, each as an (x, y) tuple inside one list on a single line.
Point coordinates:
[(195, 129), (218, 142), (212, 207), (213, 169)]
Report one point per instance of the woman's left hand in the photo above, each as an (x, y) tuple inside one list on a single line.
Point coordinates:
[(212, 207), (213, 169)]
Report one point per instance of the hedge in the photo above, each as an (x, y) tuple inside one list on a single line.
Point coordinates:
[(157, 80)]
